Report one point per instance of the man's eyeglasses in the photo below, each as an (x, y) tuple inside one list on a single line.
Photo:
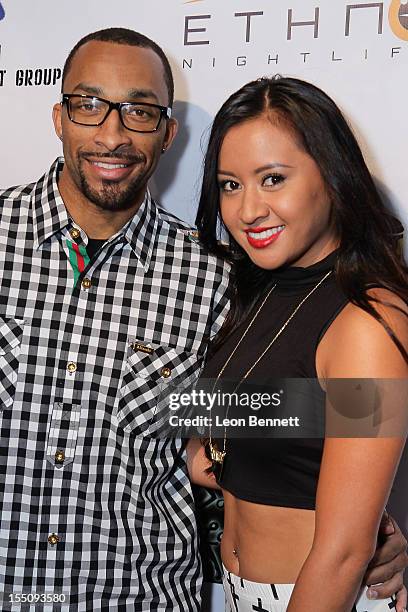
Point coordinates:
[(135, 116)]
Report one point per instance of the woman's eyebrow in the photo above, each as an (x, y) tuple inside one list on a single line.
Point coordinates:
[(271, 166)]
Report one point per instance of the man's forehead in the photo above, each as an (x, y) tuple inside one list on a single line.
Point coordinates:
[(94, 50), (99, 66)]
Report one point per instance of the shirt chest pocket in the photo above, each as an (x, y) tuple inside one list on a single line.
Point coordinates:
[(148, 381), (11, 332)]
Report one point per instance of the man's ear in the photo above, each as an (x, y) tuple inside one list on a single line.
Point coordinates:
[(57, 119), (171, 131)]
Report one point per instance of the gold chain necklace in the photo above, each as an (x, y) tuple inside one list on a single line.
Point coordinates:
[(217, 456)]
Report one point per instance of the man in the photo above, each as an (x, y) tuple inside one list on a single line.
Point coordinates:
[(107, 303)]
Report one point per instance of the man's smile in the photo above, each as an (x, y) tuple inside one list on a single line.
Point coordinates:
[(110, 168)]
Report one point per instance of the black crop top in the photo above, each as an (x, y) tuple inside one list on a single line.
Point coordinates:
[(280, 472)]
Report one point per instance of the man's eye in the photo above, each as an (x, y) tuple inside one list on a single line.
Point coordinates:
[(272, 179), (228, 186), (137, 111), (140, 113), (88, 106), (85, 106)]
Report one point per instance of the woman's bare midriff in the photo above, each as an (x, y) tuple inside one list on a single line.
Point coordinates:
[(265, 543)]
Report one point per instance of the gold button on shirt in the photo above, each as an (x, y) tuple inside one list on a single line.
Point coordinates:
[(74, 233), (59, 456), (71, 367), (53, 539)]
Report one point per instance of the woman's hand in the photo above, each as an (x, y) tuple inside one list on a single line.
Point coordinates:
[(198, 464), (385, 572)]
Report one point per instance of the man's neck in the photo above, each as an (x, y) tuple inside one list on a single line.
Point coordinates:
[(97, 223)]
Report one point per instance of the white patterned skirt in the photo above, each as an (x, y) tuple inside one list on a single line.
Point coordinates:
[(246, 596)]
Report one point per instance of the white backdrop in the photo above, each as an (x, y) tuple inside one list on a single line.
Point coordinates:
[(356, 51)]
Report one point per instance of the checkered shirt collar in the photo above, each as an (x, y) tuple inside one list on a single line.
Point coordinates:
[(51, 216), (142, 229), (49, 213)]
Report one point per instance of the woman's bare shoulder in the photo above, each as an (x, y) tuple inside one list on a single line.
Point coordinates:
[(357, 342)]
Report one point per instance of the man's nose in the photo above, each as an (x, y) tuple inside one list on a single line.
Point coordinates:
[(112, 133)]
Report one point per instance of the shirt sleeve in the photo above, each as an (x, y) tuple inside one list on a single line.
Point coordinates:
[(221, 302)]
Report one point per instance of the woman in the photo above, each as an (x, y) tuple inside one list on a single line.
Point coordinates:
[(318, 292)]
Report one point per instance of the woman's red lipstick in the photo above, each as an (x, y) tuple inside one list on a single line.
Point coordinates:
[(269, 235)]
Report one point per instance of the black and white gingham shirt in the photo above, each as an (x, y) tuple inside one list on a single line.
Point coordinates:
[(92, 505)]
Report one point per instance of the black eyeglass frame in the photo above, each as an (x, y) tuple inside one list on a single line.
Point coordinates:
[(165, 111)]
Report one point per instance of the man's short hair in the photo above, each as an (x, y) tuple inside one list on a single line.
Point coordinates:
[(123, 36)]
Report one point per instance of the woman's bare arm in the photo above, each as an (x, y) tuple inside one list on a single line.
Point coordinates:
[(356, 473)]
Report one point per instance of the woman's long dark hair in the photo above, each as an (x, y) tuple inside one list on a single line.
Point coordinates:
[(367, 257)]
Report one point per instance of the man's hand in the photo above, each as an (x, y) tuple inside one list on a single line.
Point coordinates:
[(385, 572)]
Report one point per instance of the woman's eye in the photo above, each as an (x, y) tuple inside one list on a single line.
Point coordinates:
[(228, 185), (272, 179)]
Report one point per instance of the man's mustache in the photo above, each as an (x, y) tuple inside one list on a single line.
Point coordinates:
[(129, 158)]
